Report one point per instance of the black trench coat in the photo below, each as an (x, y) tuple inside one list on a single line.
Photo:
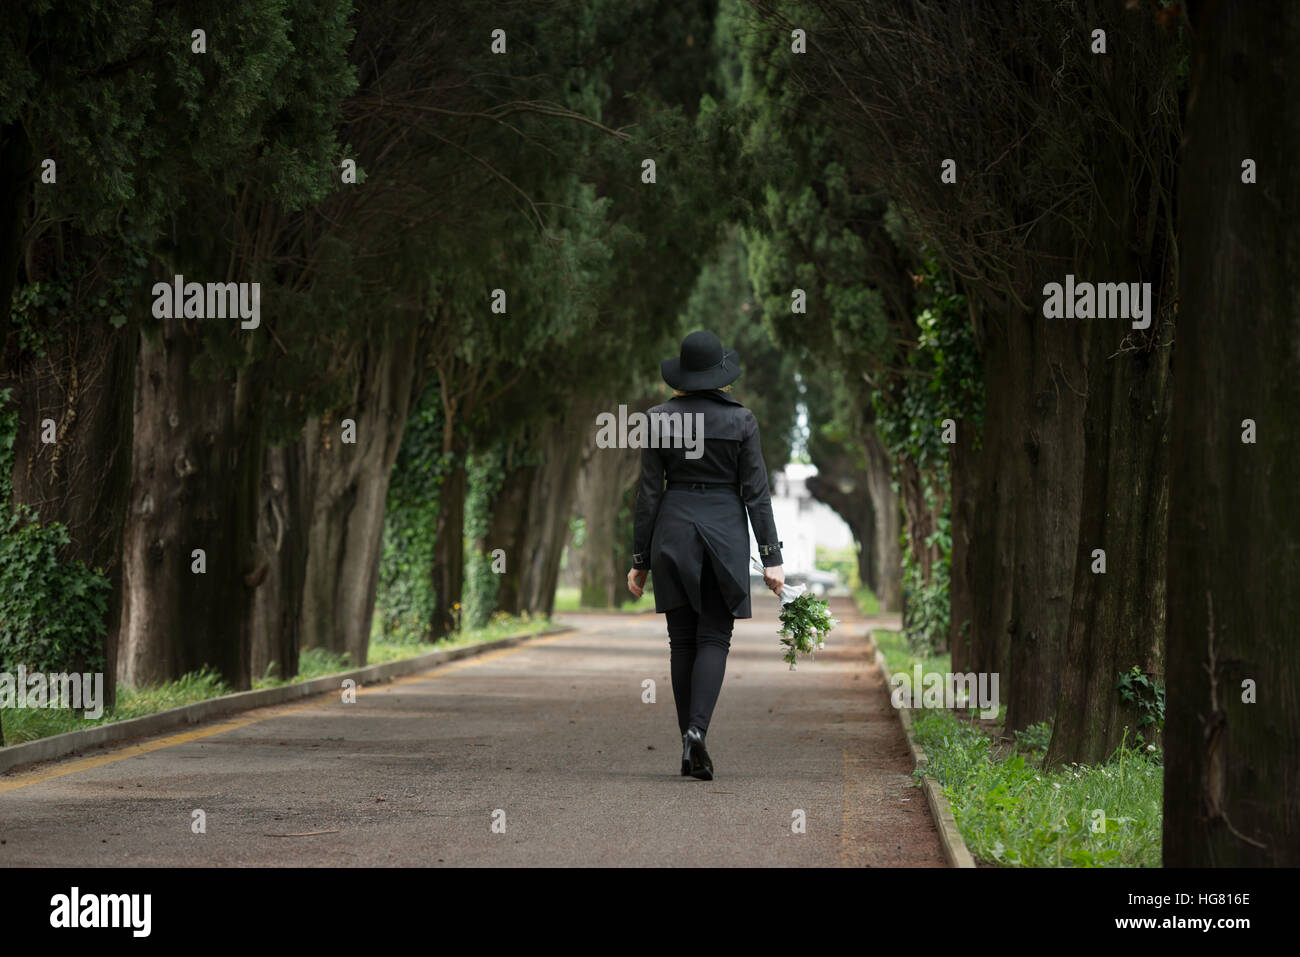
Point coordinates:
[(677, 529)]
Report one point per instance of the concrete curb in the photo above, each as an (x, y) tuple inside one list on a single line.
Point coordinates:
[(954, 848), (70, 742)]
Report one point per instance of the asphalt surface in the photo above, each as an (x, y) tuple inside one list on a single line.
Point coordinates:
[(550, 740)]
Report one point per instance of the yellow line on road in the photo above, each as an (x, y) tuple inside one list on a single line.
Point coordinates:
[(261, 714)]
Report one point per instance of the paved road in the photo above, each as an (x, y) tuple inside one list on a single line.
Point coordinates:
[(553, 733)]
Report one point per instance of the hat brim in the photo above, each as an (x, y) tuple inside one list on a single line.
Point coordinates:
[(724, 373)]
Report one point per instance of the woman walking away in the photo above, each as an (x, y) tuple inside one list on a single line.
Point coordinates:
[(696, 488)]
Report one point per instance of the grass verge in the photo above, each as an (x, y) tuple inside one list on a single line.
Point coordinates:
[(900, 657), (570, 599), (29, 724), (1011, 811), (866, 600)]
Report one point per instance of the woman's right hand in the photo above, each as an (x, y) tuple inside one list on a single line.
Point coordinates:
[(636, 581), (774, 578)]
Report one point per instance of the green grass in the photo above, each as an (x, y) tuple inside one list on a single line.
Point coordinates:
[(1013, 813), (29, 724), (866, 600), (312, 663), (569, 599), (900, 658), (317, 662), (501, 626)]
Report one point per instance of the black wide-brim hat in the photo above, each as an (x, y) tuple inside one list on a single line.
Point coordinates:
[(703, 364)]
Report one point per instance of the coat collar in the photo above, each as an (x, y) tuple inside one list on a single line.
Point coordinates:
[(716, 394)]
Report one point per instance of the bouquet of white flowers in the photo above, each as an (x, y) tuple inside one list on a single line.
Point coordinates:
[(805, 620)]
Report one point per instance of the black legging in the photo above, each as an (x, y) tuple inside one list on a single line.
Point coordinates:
[(698, 644)]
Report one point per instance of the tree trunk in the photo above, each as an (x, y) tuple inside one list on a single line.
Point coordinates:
[(507, 531), (15, 184), (1030, 487), (1117, 619), (350, 489), (283, 519), (550, 505), (850, 499), (1048, 498), (993, 515), (605, 477), (449, 553), (964, 474), (865, 499), (920, 517), (84, 382), (196, 466), (887, 517), (1233, 733)]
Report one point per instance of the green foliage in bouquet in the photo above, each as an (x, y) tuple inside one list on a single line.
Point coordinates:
[(805, 622)]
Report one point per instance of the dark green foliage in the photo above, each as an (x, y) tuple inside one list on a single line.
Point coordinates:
[(100, 284), (111, 91), (405, 600), (1146, 694), (818, 228), (926, 612), (943, 381), (1035, 738), (486, 473), (52, 612), (723, 302)]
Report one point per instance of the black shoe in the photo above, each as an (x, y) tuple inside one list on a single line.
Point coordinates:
[(686, 757), (695, 758)]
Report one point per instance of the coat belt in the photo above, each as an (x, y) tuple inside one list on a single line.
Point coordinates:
[(695, 486)]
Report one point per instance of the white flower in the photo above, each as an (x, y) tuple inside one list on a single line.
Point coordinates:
[(1151, 747), (1055, 785), (821, 644)]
